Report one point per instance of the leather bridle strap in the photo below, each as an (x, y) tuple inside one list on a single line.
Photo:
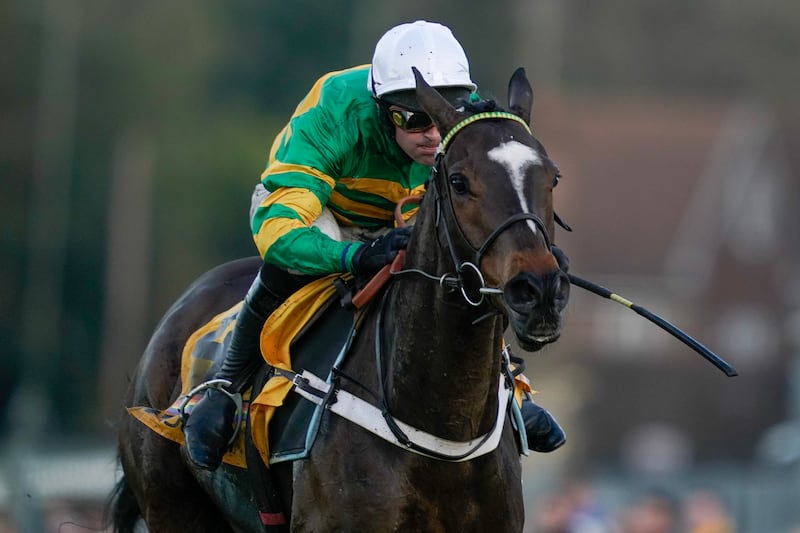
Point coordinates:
[(444, 198), (505, 225)]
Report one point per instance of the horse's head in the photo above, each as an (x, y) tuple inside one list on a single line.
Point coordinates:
[(494, 182)]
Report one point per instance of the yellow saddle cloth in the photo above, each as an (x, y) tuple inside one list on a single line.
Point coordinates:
[(208, 344)]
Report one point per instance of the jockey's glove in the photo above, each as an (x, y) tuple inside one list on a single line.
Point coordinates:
[(375, 254), (561, 258)]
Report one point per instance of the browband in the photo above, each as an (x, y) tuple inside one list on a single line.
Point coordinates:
[(474, 118)]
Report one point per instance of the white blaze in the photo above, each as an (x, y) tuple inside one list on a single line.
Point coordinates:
[(516, 157)]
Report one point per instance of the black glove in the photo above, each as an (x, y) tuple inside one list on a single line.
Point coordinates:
[(374, 255), (561, 258)]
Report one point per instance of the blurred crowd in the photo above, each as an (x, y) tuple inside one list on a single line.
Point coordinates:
[(575, 509)]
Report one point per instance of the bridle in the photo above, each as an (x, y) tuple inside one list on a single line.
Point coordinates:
[(447, 225), (446, 220)]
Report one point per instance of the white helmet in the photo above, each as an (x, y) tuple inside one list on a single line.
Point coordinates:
[(428, 46)]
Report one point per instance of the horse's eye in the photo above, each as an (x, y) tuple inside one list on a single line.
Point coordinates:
[(556, 178), (459, 183)]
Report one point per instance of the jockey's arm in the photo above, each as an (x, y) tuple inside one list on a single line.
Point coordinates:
[(286, 230), (300, 177)]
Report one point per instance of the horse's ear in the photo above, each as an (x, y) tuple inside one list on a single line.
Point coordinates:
[(444, 115), (520, 95)]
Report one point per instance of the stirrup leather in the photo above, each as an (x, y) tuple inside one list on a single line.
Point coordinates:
[(222, 386)]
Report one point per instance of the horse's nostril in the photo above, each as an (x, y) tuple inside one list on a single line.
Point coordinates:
[(523, 293), (561, 290), (527, 291)]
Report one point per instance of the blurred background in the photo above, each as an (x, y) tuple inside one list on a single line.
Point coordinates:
[(132, 135)]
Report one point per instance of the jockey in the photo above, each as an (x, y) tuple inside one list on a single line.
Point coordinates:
[(356, 145)]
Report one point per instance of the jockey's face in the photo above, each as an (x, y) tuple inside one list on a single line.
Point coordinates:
[(420, 146)]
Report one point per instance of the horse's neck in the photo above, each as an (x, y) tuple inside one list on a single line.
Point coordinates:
[(438, 358)]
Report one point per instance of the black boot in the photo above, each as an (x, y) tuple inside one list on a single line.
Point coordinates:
[(210, 426), (543, 432)]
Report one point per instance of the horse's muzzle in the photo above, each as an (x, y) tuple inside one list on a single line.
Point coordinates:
[(534, 304)]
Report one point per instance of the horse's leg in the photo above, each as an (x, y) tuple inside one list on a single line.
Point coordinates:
[(170, 499)]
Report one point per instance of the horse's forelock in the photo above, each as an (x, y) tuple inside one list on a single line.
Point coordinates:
[(482, 106)]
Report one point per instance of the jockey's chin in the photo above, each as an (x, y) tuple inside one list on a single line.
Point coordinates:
[(421, 146)]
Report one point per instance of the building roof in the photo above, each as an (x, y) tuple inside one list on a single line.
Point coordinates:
[(630, 170)]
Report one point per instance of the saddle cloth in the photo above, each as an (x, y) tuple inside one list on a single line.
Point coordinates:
[(205, 349)]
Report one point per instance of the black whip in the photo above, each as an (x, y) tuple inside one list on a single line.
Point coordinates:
[(657, 320)]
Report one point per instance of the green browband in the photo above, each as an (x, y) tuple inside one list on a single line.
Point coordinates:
[(480, 116)]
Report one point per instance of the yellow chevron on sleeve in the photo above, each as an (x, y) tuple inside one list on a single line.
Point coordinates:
[(361, 208), (388, 189), (302, 201), (278, 227), (282, 136), (278, 167)]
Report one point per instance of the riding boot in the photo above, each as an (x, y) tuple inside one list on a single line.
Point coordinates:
[(543, 432), (210, 426)]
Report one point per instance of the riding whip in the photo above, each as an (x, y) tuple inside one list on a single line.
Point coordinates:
[(657, 320)]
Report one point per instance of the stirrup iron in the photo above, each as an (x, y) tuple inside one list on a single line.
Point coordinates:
[(221, 385)]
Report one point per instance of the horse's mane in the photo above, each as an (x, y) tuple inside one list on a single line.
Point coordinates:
[(481, 106)]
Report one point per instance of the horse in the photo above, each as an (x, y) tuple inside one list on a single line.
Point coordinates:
[(479, 260)]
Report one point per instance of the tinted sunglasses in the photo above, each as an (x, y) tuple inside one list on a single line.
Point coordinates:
[(411, 121)]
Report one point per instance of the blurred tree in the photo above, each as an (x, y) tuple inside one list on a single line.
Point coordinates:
[(274, 51), (199, 82), (744, 49), (18, 78)]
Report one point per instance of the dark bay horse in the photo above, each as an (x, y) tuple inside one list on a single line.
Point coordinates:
[(479, 260)]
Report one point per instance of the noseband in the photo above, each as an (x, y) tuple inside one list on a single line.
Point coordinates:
[(450, 225)]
